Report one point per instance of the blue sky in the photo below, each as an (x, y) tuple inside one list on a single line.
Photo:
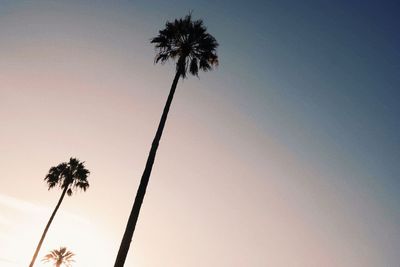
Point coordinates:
[(325, 73)]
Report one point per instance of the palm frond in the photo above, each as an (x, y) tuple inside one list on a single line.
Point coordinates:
[(60, 257), (71, 175), (187, 42)]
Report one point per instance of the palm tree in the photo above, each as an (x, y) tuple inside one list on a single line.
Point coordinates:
[(60, 257), (69, 177), (188, 43)]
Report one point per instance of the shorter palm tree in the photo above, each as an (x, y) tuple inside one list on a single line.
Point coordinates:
[(69, 176), (60, 257)]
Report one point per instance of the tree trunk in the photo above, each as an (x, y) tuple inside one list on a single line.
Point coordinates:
[(47, 227), (133, 217)]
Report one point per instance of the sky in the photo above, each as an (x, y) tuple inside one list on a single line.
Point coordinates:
[(285, 155)]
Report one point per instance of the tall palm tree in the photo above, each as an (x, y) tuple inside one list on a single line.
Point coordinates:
[(60, 257), (69, 177), (188, 43)]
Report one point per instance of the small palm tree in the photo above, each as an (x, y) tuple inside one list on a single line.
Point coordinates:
[(188, 43), (69, 177), (60, 257)]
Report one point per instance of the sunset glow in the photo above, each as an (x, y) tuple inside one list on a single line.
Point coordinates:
[(19, 234)]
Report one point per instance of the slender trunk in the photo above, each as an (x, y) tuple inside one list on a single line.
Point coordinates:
[(133, 217), (47, 227)]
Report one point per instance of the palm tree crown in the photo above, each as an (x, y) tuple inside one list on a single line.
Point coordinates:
[(188, 42), (59, 257), (71, 175)]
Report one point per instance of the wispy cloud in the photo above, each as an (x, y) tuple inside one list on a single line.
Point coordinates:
[(26, 207), (20, 205), (5, 262), (4, 221)]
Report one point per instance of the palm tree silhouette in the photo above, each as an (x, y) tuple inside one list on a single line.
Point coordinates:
[(60, 257), (188, 43), (68, 176)]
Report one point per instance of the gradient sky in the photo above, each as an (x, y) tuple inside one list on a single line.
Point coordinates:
[(286, 155)]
